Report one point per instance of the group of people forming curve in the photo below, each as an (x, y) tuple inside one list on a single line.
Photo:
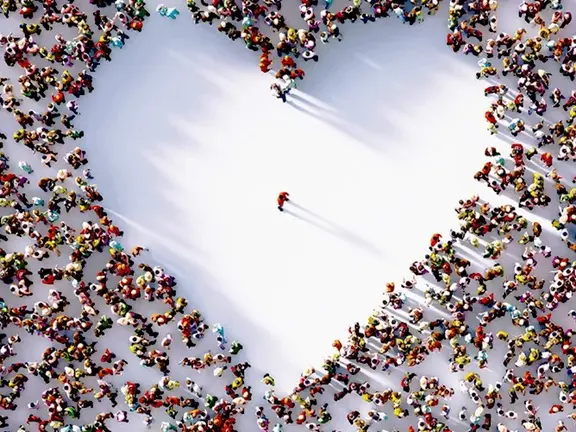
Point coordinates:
[(499, 282)]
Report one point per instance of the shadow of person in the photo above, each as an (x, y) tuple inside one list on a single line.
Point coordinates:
[(330, 227), (311, 213)]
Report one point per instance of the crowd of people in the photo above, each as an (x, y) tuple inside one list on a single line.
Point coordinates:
[(78, 369)]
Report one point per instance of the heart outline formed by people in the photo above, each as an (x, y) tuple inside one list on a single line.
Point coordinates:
[(400, 342)]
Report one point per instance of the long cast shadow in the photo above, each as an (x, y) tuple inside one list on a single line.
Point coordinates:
[(330, 227)]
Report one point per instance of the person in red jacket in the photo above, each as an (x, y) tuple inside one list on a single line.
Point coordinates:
[(265, 62), (288, 61), (282, 198), (489, 116)]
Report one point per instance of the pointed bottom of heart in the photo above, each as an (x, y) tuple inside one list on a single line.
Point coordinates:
[(190, 151)]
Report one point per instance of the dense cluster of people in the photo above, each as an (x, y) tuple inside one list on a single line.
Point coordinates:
[(241, 20), (482, 225), (78, 369)]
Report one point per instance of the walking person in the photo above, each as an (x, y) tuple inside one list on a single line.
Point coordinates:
[(282, 198)]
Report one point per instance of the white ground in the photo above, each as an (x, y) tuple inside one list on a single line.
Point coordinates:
[(376, 148), (194, 151)]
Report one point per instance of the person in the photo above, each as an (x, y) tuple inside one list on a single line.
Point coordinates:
[(531, 177), (283, 197), (168, 12)]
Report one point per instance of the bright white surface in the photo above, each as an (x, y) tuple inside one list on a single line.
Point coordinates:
[(365, 146), (194, 151)]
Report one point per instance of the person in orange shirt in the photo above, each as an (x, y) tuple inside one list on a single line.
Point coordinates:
[(265, 62), (282, 198)]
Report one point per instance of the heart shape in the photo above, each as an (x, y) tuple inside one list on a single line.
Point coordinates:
[(179, 152), (323, 109)]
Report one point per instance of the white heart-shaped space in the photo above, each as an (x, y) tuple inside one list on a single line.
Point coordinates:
[(375, 147)]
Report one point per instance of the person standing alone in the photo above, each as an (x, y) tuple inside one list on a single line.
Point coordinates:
[(282, 198)]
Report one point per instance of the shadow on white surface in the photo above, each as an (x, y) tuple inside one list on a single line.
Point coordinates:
[(195, 150)]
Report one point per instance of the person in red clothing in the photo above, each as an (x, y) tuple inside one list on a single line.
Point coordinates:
[(265, 62), (288, 61), (547, 158), (282, 198), (489, 116)]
